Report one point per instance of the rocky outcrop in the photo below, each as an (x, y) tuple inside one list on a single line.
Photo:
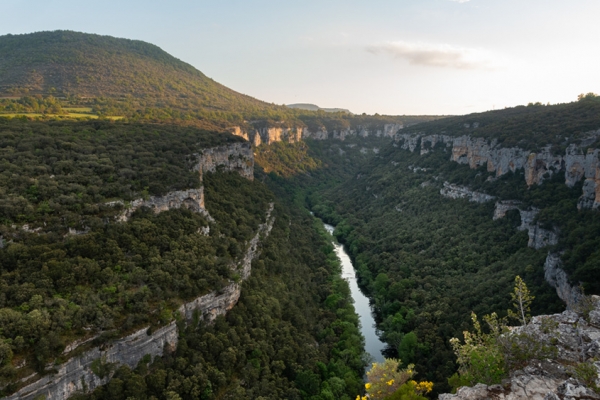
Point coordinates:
[(574, 337), (532, 383), (81, 374), (537, 166), (558, 279), (462, 192), (538, 236), (78, 374), (538, 239), (502, 207), (237, 157), (296, 134), (192, 199)]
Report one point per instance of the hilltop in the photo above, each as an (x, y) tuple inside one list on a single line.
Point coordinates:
[(314, 107), (63, 63)]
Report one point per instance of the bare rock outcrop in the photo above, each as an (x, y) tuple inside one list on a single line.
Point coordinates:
[(574, 337), (556, 276), (192, 199), (537, 166), (237, 157), (462, 192), (271, 135)]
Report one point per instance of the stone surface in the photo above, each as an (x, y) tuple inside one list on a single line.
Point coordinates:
[(271, 135), (537, 167), (462, 192), (557, 278), (192, 199), (237, 157), (502, 207), (575, 341), (72, 375)]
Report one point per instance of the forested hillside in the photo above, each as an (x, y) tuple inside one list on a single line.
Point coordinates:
[(293, 334), (530, 127), (427, 261), (65, 74), (71, 267)]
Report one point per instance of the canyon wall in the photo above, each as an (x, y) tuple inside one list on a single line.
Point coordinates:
[(192, 199), (540, 237), (477, 152), (237, 157), (292, 135), (82, 373)]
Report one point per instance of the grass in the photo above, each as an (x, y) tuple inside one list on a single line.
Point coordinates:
[(87, 110), (61, 116)]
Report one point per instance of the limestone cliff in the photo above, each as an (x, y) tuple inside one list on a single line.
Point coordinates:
[(462, 192), (538, 239), (237, 157), (77, 374), (575, 336), (296, 134), (537, 166), (557, 278), (192, 199)]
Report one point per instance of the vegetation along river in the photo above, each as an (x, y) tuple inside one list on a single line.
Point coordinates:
[(373, 345)]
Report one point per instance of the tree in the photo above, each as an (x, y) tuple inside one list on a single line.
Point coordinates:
[(521, 299), (386, 379)]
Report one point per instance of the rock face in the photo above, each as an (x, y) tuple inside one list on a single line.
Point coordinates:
[(78, 371), (462, 192), (296, 134), (192, 199), (237, 157), (575, 338), (557, 278), (537, 167), (77, 374), (538, 239)]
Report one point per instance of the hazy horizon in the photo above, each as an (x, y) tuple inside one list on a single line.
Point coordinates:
[(409, 57)]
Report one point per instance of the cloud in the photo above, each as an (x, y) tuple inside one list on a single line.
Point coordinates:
[(460, 1), (437, 55)]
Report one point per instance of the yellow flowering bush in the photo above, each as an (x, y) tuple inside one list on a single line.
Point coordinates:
[(387, 381), (385, 378)]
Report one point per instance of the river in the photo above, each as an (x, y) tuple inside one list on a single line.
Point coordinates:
[(373, 345)]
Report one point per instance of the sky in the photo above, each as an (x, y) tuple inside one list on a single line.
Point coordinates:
[(378, 56)]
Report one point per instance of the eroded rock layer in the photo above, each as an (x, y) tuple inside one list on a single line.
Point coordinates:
[(477, 152), (81, 373), (576, 339)]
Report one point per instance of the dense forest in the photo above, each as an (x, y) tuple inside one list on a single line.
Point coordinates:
[(529, 127), (293, 334), (426, 261)]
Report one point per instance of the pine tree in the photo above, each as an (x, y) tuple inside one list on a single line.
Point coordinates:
[(521, 299)]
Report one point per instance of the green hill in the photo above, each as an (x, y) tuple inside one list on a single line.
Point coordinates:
[(65, 63)]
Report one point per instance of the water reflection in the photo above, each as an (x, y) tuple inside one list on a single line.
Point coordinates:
[(373, 345)]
